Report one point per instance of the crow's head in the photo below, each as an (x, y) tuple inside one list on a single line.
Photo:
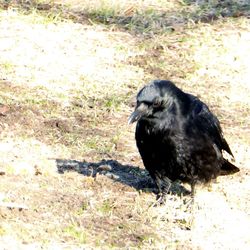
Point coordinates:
[(152, 100)]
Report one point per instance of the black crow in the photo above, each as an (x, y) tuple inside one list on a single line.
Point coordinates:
[(178, 137)]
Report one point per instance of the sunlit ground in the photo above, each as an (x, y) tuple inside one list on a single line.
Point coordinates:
[(68, 88)]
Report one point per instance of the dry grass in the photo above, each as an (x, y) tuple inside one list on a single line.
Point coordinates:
[(139, 17), (69, 73)]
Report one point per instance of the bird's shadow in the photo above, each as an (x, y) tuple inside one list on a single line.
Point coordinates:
[(129, 175)]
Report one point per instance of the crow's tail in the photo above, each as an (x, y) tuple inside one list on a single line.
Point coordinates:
[(228, 168)]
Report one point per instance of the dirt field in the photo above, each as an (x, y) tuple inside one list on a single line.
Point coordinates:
[(70, 173)]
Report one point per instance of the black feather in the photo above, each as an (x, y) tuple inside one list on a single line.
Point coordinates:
[(178, 137)]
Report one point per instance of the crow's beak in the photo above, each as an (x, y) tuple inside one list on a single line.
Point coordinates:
[(140, 111)]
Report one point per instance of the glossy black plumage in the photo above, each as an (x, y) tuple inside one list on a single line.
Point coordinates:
[(178, 137)]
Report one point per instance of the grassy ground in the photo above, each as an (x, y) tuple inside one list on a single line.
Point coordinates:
[(69, 72)]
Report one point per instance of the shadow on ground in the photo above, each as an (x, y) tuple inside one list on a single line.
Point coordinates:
[(129, 175)]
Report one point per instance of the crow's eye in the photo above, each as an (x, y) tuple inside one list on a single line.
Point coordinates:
[(157, 103)]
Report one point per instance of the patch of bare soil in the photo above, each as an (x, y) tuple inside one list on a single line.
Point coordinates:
[(52, 209)]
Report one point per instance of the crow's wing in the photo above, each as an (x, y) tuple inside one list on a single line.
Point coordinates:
[(207, 123)]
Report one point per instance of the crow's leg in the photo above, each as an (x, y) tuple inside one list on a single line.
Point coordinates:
[(190, 202), (157, 181), (165, 186), (193, 189)]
